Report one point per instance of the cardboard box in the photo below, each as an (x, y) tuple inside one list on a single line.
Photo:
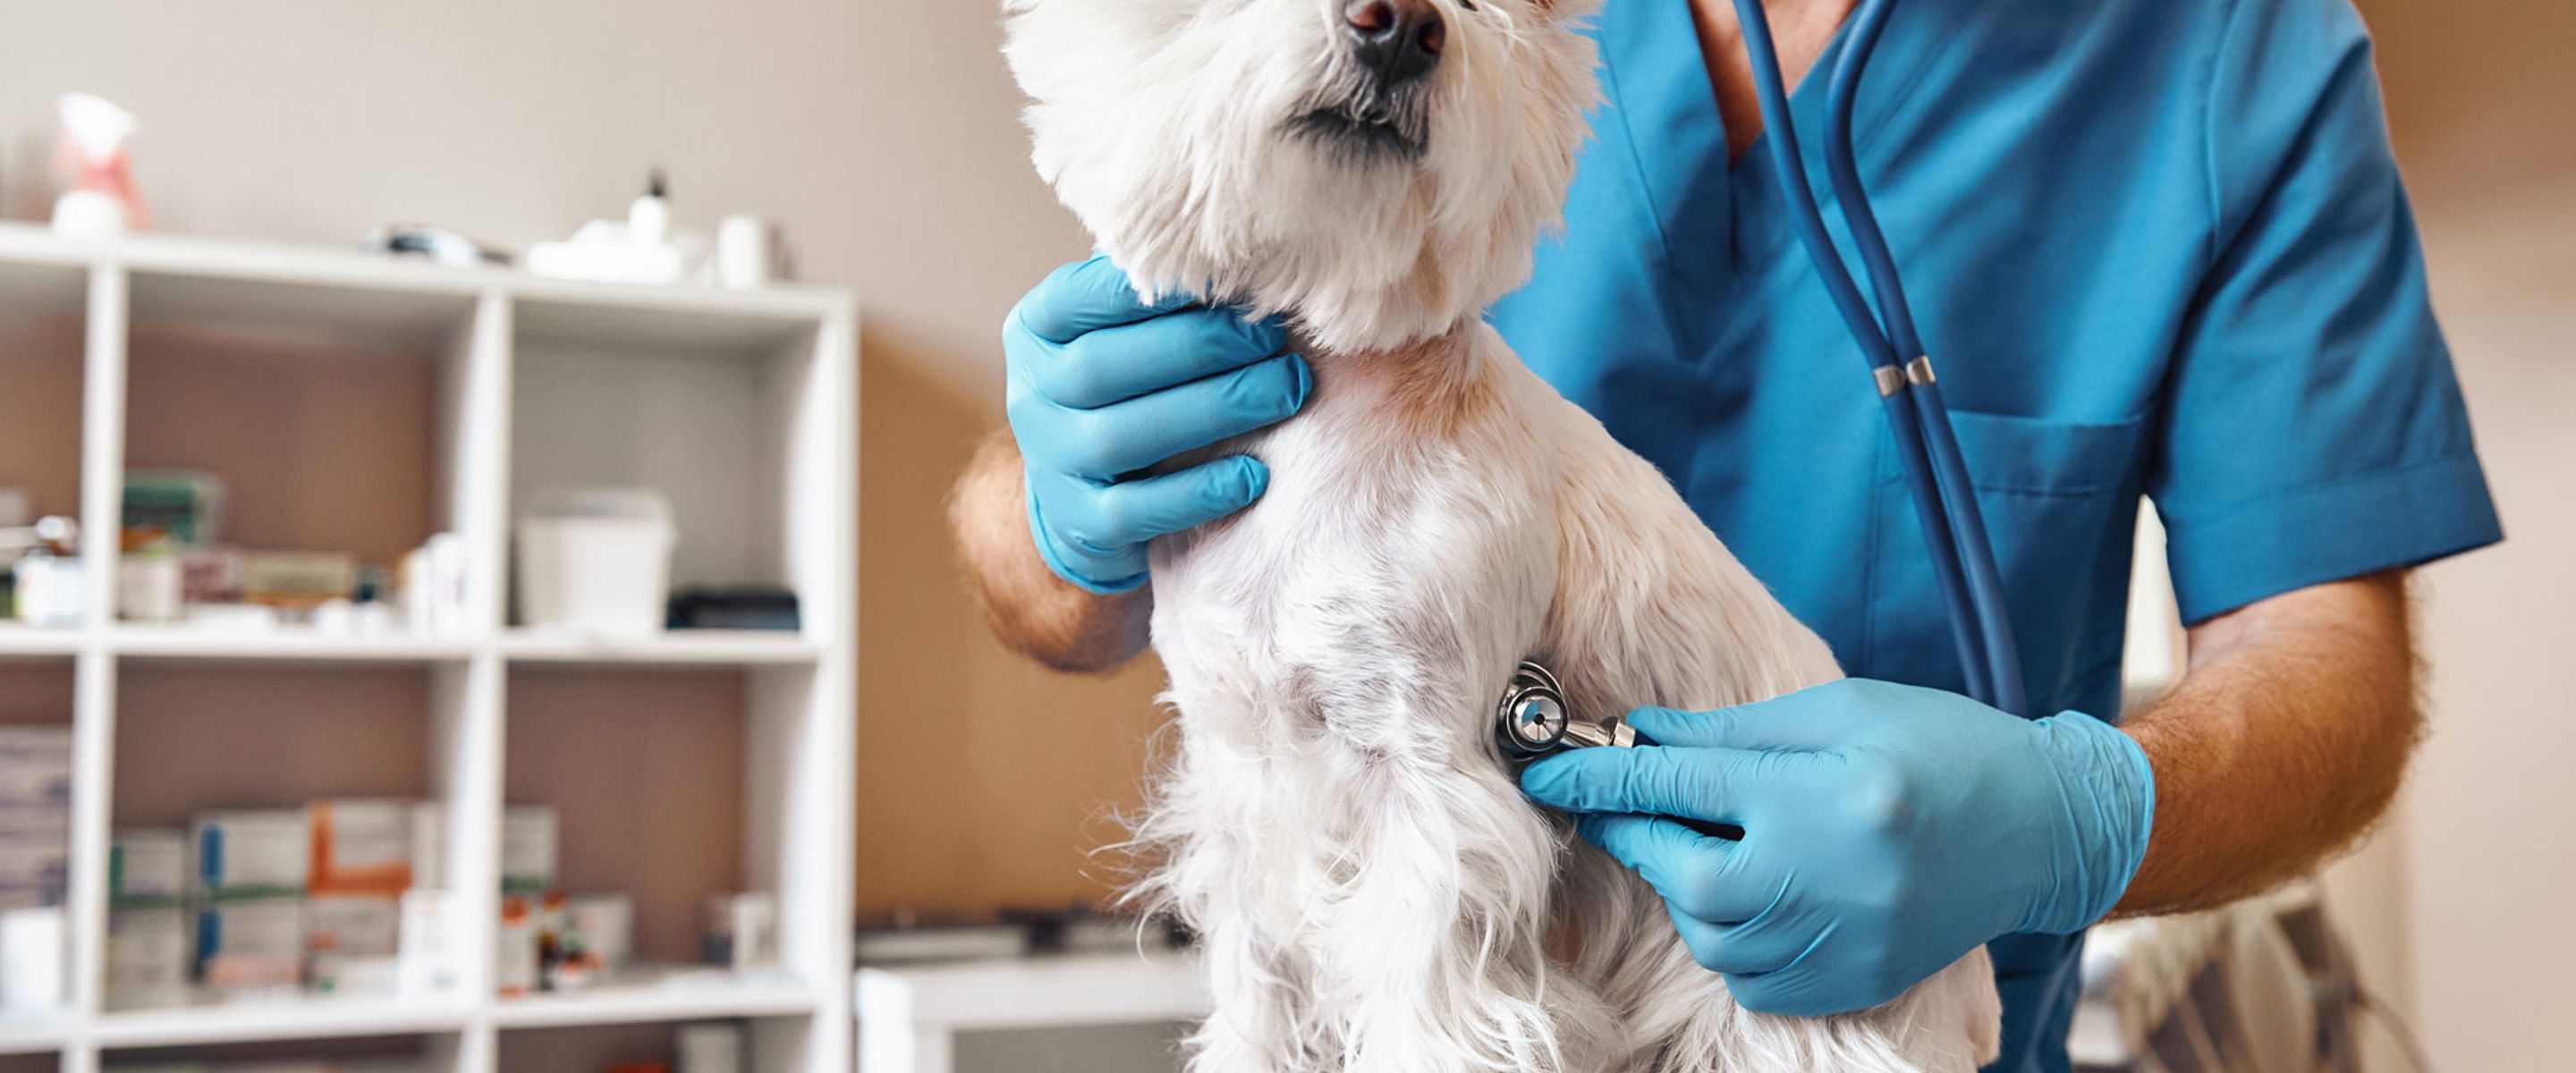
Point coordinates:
[(605, 924), (35, 849), (35, 765), (147, 867), (251, 944), (298, 579), (515, 962), (249, 853), (342, 932), (147, 958), (373, 847), (528, 849)]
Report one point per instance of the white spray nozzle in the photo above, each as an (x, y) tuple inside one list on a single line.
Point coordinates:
[(96, 128)]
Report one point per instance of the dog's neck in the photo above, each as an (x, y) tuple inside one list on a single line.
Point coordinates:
[(1427, 383)]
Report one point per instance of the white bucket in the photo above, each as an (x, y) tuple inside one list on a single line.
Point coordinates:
[(597, 560)]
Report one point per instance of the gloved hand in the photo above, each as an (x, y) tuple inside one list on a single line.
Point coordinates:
[(1888, 830), (1102, 386)]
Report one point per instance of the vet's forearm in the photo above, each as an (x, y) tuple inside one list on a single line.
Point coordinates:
[(1034, 612), (2284, 741)]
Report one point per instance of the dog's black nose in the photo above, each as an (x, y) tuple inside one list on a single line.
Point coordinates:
[(1395, 40)]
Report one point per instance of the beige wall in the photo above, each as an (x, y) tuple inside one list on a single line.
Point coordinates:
[(2478, 100), (881, 135)]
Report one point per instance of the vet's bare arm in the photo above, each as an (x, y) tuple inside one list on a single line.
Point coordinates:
[(1033, 611), (2285, 740)]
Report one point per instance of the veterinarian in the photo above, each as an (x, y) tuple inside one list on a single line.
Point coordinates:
[(2160, 248)]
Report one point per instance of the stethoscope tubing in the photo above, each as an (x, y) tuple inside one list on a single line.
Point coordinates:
[(1954, 530)]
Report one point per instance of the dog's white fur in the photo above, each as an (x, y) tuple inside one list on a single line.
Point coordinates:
[(1373, 891)]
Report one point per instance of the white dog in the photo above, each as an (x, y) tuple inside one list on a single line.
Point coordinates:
[(1373, 891)]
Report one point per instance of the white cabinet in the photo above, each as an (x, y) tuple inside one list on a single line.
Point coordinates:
[(361, 404)]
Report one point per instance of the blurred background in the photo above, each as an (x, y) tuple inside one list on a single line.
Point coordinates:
[(878, 146)]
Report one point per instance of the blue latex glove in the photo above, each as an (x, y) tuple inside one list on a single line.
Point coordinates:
[(1102, 386), (1888, 830)]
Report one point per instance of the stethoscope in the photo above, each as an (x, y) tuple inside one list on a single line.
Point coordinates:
[(1534, 717)]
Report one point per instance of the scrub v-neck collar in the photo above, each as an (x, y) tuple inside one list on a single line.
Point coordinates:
[(1726, 233)]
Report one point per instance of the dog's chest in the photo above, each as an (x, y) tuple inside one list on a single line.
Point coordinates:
[(1392, 549)]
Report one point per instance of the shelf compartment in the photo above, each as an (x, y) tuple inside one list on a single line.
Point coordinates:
[(332, 414), (600, 391), (645, 774), (195, 734), (673, 784), (318, 449), (771, 1043), (44, 371)]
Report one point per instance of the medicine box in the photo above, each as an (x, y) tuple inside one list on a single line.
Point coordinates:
[(345, 932), (35, 852), (148, 956), (251, 852), (35, 766), (515, 955), (606, 925), (376, 847), (147, 867), (297, 579), (187, 505), (251, 944), (527, 849)]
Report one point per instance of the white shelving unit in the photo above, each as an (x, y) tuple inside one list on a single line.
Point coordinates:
[(739, 405)]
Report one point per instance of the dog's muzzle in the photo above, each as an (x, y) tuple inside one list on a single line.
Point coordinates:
[(1378, 105)]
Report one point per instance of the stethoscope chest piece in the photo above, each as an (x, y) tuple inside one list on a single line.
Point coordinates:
[(1532, 717)]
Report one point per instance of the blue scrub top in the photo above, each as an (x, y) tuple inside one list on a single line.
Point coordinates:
[(2157, 247)]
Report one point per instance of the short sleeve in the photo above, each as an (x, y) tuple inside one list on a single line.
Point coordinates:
[(2312, 428)]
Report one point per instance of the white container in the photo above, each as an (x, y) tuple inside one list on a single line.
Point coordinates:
[(427, 961), (741, 932), (742, 253), (597, 560), (709, 1047), (31, 959)]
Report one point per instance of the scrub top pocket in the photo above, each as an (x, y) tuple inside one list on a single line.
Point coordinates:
[(2060, 500)]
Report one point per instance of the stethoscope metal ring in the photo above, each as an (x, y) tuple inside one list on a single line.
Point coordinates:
[(1532, 718)]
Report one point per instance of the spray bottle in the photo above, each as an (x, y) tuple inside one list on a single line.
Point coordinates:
[(102, 201)]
